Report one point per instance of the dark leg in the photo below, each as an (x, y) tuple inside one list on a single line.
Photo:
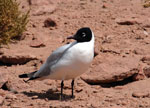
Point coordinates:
[(72, 85), (62, 85)]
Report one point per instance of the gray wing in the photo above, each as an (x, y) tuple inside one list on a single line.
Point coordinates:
[(45, 69)]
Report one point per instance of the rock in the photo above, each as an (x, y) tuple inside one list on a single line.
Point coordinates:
[(141, 94), (112, 69), (147, 71), (146, 4), (2, 93), (1, 52), (118, 106), (38, 2), (16, 58), (3, 79), (127, 21), (40, 7), (146, 33), (78, 89), (44, 9), (11, 96), (37, 43), (96, 52), (49, 23), (146, 59), (34, 97), (8, 86), (140, 75), (104, 6), (1, 100)]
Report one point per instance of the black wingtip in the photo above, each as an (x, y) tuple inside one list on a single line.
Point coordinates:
[(32, 78), (23, 76)]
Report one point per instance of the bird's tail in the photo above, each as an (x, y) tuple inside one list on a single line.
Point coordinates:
[(29, 75)]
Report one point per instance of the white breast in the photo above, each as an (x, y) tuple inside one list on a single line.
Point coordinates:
[(74, 62)]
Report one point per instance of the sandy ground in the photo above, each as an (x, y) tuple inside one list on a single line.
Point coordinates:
[(120, 26)]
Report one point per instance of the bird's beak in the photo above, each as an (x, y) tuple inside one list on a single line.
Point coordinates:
[(71, 37)]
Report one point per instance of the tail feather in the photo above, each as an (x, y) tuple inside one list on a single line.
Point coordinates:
[(23, 76), (27, 75), (32, 78)]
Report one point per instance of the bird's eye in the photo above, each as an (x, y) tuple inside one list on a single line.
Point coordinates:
[(83, 34)]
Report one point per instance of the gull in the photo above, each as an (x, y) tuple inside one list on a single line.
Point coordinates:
[(68, 61)]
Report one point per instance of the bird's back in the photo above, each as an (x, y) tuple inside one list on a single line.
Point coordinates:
[(73, 62)]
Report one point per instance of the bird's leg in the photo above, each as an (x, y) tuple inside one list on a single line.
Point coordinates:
[(62, 85), (72, 85)]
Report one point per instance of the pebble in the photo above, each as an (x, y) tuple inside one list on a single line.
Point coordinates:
[(141, 94), (11, 96)]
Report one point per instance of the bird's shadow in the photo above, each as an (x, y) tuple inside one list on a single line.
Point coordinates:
[(50, 95)]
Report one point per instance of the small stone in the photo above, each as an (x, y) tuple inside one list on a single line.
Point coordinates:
[(126, 21), (49, 23), (11, 96), (16, 58), (37, 43), (147, 71), (38, 2), (34, 97), (1, 100), (2, 93), (140, 94), (1, 52), (96, 52), (111, 69), (119, 87), (146, 59), (78, 89), (140, 75), (104, 6), (3, 78), (41, 10), (146, 33), (8, 86)]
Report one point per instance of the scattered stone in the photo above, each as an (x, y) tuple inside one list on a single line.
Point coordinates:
[(146, 33), (119, 87), (118, 106), (2, 93), (3, 78), (78, 89), (8, 86), (104, 6), (49, 23), (38, 2), (141, 94), (146, 60), (140, 75), (16, 58), (37, 43), (1, 52), (1, 100), (44, 9), (146, 4), (112, 69), (11, 96), (95, 53), (34, 97), (126, 21), (147, 71), (40, 7)]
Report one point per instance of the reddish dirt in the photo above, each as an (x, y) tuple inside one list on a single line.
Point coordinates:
[(121, 27)]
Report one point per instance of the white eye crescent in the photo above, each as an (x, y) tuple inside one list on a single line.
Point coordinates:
[(83, 34)]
